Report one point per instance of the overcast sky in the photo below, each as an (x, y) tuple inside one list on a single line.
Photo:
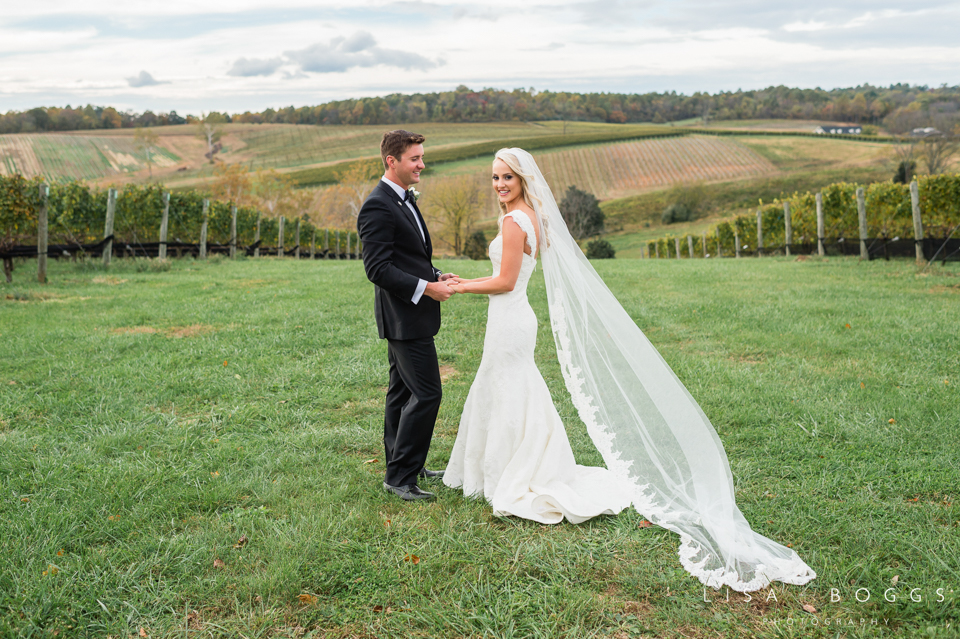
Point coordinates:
[(252, 54)]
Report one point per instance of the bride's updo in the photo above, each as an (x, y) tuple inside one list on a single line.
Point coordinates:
[(529, 196)]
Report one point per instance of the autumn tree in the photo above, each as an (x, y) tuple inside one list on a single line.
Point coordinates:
[(272, 191), (146, 140), (937, 150), (355, 183), (232, 183), (456, 203)]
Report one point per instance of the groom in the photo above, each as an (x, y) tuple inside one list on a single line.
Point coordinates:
[(407, 295)]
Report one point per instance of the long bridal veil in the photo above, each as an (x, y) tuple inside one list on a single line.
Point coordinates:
[(649, 429)]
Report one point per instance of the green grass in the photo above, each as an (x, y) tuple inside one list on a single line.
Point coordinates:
[(148, 420)]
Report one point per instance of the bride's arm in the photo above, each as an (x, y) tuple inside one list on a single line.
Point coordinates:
[(513, 238)]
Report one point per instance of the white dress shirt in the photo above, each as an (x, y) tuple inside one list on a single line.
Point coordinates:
[(422, 285)]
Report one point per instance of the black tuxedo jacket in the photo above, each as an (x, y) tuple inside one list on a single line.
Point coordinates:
[(396, 258)]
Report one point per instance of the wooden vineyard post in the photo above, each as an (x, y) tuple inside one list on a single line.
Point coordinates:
[(820, 225), (917, 222), (690, 245), (108, 225), (736, 242), (42, 234), (313, 243), (676, 243), (256, 235), (656, 248), (164, 224), (759, 231), (703, 245), (280, 236), (862, 215), (719, 253), (787, 228), (233, 231), (338, 244), (297, 237), (326, 243), (203, 229)]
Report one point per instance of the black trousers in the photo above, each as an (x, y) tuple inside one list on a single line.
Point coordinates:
[(413, 400)]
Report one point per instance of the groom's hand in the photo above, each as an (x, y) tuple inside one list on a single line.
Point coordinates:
[(438, 291), (449, 276)]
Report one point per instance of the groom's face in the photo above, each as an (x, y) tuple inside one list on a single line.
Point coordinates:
[(408, 166)]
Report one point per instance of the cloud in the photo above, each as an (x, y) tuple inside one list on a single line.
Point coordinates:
[(244, 68), (359, 50), (143, 80)]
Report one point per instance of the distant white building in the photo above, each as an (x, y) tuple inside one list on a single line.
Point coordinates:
[(835, 129), (925, 132)]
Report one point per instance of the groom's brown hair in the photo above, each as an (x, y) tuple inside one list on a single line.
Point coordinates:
[(396, 143)]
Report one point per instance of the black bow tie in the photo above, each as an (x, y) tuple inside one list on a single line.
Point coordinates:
[(408, 197)]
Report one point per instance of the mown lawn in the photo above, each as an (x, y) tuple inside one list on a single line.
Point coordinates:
[(197, 453)]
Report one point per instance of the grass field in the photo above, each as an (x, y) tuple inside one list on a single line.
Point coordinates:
[(189, 452)]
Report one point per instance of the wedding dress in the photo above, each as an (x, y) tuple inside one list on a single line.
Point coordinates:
[(511, 446), (657, 443)]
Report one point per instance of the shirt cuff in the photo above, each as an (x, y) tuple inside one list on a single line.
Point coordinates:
[(421, 287)]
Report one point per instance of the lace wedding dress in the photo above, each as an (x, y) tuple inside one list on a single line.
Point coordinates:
[(511, 446)]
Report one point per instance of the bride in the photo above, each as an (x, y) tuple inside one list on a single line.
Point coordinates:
[(662, 454)]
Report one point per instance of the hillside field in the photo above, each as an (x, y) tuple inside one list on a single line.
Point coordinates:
[(197, 452)]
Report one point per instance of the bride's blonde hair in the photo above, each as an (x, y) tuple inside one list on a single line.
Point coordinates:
[(529, 196)]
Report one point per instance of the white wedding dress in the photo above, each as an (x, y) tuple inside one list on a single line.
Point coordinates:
[(511, 447)]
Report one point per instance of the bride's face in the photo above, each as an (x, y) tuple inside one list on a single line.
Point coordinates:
[(506, 183)]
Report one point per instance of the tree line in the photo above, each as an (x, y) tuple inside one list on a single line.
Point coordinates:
[(898, 107)]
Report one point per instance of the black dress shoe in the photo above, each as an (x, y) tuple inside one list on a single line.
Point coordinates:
[(431, 474), (408, 493)]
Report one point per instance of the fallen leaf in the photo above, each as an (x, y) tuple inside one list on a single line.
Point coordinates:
[(378, 608), (283, 401), (218, 563), (370, 461), (215, 473), (644, 524), (789, 545), (809, 608), (895, 579), (387, 523), (848, 326), (241, 542), (891, 421), (224, 362), (25, 500), (862, 385), (412, 559), (917, 498), (307, 599), (143, 633), (60, 553), (258, 599), (13, 383)]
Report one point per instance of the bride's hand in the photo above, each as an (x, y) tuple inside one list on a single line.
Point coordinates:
[(455, 285)]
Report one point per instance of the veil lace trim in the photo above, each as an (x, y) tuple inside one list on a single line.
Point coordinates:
[(650, 431)]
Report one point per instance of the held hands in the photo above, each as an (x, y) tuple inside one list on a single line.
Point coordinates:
[(442, 290)]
